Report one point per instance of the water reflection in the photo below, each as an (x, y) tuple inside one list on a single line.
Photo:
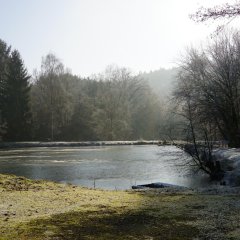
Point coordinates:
[(115, 167)]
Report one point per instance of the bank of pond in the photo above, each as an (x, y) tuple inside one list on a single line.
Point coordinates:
[(37, 210)]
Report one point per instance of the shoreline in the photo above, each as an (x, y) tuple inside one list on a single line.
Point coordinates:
[(6, 145)]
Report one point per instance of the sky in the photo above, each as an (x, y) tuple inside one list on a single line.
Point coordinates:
[(88, 35)]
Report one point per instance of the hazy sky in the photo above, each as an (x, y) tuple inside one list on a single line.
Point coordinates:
[(88, 35)]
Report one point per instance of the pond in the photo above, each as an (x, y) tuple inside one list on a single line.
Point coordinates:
[(107, 167)]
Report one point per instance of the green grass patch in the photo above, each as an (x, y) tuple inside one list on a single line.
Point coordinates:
[(41, 210)]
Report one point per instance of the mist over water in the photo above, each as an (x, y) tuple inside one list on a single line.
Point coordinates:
[(111, 167)]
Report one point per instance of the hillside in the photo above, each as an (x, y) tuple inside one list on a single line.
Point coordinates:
[(161, 80)]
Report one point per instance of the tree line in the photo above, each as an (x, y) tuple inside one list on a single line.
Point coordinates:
[(56, 105)]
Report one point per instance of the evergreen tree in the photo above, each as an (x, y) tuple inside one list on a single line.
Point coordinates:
[(4, 61), (18, 116)]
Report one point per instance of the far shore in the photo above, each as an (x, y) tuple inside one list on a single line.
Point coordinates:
[(25, 144), (75, 144)]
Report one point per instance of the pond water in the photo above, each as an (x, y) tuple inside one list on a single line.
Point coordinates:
[(108, 167)]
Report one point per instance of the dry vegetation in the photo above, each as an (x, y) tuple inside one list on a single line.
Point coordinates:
[(46, 210)]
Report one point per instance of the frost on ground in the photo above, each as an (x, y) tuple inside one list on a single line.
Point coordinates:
[(38, 210)]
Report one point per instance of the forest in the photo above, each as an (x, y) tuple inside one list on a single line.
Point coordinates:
[(55, 105), (198, 101)]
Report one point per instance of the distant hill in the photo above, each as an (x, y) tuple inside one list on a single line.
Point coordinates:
[(161, 80)]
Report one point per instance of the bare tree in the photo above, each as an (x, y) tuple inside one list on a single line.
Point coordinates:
[(214, 77), (117, 90), (187, 99), (208, 93), (226, 11), (50, 99)]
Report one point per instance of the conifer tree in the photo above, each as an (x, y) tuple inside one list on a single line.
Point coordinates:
[(4, 61), (18, 116)]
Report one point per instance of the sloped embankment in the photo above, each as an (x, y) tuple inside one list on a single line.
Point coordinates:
[(45, 210)]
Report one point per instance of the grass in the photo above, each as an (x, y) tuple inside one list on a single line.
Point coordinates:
[(45, 210)]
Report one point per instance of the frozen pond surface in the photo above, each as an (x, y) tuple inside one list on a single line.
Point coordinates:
[(108, 167)]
